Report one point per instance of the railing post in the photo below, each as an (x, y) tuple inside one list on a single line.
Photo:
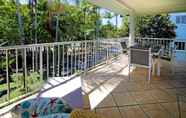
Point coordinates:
[(7, 76), (78, 56), (107, 55), (47, 62), (173, 58), (16, 61), (95, 52), (25, 68), (85, 63), (75, 58), (58, 60), (63, 63), (53, 62), (67, 60), (33, 59), (36, 58), (41, 62), (72, 56)]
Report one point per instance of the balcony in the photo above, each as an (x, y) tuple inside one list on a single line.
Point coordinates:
[(38, 70)]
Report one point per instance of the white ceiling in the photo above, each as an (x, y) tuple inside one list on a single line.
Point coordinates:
[(142, 7)]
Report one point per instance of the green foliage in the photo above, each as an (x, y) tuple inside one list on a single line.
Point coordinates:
[(18, 79), (158, 26), (108, 31), (3, 63), (31, 79), (124, 29), (33, 83), (8, 23), (77, 22)]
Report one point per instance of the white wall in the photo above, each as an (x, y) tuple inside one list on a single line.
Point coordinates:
[(181, 28)]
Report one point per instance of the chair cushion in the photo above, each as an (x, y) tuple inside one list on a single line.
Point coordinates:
[(40, 107), (57, 115)]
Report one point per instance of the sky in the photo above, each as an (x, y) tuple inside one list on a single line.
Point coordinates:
[(23, 1)]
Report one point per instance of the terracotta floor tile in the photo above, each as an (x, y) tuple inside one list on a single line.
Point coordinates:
[(162, 96), (132, 112), (124, 99), (107, 102), (155, 111), (172, 108), (135, 86), (120, 88), (183, 114), (158, 114), (144, 97), (109, 112)]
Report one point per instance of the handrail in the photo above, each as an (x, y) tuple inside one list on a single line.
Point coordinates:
[(155, 38), (42, 45)]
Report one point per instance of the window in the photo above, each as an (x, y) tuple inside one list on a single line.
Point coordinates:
[(177, 19), (181, 19), (184, 19)]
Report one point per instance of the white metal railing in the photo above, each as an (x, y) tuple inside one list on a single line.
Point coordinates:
[(168, 45), (180, 44), (163, 43), (41, 61)]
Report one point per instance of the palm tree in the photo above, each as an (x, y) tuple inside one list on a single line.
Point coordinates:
[(55, 8), (21, 32), (33, 14)]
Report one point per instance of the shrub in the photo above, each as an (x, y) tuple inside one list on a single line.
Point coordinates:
[(30, 80)]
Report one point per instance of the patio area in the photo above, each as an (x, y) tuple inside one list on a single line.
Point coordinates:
[(107, 90), (120, 97), (90, 65)]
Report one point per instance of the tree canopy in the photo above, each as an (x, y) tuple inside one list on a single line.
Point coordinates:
[(79, 22), (156, 26)]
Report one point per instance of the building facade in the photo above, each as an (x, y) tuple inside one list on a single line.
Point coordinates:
[(180, 20)]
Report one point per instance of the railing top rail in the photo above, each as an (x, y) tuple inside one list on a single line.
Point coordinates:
[(54, 44), (180, 40), (71, 42), (171, 39), (42, 45), (116, 39)]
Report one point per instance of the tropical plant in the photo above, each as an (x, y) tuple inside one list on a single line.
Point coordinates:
[(31, 79)]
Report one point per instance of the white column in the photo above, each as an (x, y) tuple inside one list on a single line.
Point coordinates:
[(131, 29)]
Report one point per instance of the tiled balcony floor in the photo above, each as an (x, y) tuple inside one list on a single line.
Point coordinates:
[(120, 97)]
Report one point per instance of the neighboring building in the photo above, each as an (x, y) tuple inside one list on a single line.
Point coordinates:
[(180, 20)]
